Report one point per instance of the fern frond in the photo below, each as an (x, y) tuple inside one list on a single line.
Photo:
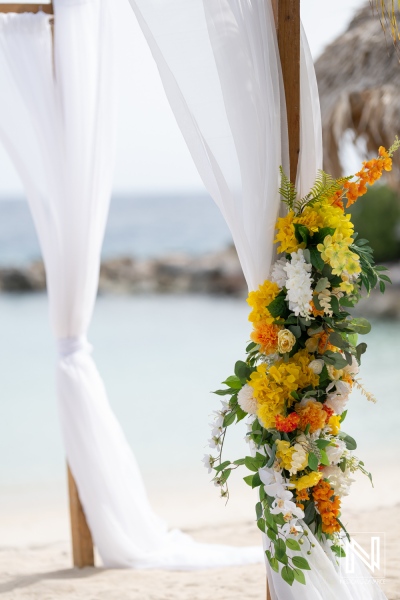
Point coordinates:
[(287, 190), (324, 187)]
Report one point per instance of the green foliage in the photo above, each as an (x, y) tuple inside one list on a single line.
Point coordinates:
[(287, 190), (376, 217)]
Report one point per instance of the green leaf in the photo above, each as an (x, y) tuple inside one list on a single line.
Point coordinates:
[(322, 444), (320, 235), (261, 525), (253, 463), (301, 563), (278, 306), (287, 190), (337, 340), (299, 576), (242, 371), (274, 564), (280, 548), (335, 359), (302, 234), (287, 575), (313, 461), (353, 339), (225, 392), (350, 442), (259, 510), (343, 416), (316, 258), (233, 382), (240, 414), (279, 520), (229, 419), (249, 480), (360, 325), (324, 458), (309, 513), (271, 534), (322, 284), (361, 349), (296, 330), (338, 550), (251, 347), (222, 466), (293, 545)]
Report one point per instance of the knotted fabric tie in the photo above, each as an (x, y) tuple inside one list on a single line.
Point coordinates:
[(69, 346)]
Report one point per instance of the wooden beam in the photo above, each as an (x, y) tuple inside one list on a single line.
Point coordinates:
[(82, 543), (21, 8), (287, 20)]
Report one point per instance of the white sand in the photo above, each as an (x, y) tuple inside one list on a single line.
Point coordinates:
[(35, 560)]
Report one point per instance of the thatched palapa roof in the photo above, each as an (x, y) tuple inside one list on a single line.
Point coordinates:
[(359, 84)]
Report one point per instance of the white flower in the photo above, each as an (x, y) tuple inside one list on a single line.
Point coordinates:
[(298, 284), (208, 462), (339, 481), (316, 366), (335, 451), (278, 274), (246, 400), (291, 528), (352, 369), (274, 483), (214, 442), (337, 400), (283, 504)]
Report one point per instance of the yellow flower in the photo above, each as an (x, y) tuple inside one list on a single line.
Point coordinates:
[(335, 250), (307, 481), (260, 299), (286, 341), (285, 228), (266, 336), (333, 216), (311, 414), (284, 454), (334, 424), (306, 377)]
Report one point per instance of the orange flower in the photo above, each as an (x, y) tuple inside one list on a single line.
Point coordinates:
[(329, 411), (315, 311), (301, 496), (371, 171), (287, 424), (313, 414), (328, 508), (267, 336), (336, 199)]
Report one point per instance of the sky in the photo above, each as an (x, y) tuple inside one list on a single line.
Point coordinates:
[(151, 154)]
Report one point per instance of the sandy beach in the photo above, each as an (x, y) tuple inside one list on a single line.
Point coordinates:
[(35, 557)]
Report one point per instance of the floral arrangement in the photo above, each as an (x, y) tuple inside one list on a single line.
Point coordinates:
[(301, 365)]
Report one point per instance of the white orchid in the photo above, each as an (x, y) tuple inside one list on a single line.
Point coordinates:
[(208, 462), (339, 480), (291, 528), (274, 482), (283, 504), (335, 451)]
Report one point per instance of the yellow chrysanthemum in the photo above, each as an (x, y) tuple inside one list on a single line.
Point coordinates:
[(307, 481), (286, 232), (260, 299), (334, 217), (284, 453), (306, 376)]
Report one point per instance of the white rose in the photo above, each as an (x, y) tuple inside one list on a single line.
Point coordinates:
[(286, 341), (246, 400), (316, 366)]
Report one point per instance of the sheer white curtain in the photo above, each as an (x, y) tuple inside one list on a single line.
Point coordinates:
[(220, 68), (57, 123)]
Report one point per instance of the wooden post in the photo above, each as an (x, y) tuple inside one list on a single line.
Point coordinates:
[(21, 8), (82, 543), (287, 22)]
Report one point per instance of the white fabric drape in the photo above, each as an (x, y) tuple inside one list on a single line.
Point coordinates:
[(219, 64), (57, 123)]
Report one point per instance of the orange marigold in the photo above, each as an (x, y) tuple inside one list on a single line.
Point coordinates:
[(267, 336), (328, 506), (311, 413), (287, 424), (329, 411), (371, 171)]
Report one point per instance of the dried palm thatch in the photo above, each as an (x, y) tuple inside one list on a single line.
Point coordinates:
[(359, 85)]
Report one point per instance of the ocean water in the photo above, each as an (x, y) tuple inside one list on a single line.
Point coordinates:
[(141, 226), (160, 356)]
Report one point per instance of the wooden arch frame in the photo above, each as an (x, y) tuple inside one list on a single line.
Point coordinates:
[(82, 543)]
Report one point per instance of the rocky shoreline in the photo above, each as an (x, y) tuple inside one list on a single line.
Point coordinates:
[(214, 274)]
